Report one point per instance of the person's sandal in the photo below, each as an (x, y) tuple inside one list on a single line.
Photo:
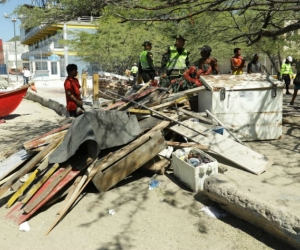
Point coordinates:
[(291, 103)]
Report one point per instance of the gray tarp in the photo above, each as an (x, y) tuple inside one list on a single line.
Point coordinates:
[(102, 129)]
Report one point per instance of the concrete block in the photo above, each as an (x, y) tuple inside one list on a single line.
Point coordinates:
[(273, 219)]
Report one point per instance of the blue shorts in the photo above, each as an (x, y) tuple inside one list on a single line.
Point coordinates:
[(296, 86)]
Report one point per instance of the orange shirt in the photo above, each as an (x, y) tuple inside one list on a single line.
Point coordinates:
[(72, 85), (237, 62)]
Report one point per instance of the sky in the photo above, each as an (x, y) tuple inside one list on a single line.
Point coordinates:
[(6, 25)]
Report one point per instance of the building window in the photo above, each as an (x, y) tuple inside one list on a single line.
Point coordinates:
[(41, 66), (54, 68)]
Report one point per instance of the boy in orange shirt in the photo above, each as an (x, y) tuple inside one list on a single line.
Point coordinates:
[(72, 91), (237, 62)]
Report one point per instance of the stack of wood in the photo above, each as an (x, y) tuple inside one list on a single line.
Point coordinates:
[(119, 85), (46, 183)]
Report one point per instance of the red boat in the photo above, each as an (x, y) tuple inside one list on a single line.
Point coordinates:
[(10, 100)]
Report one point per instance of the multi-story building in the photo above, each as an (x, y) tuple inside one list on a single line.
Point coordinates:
[(47, 55)]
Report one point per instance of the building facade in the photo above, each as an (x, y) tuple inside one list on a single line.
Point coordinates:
[(48, 56)]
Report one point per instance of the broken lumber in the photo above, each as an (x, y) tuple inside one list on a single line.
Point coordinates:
[(139, 91), (44, 140), (29, 166), (187, 145), (188, 93), (167, 104), (158, 165), (154, 143), (54, 131), (241, 155), (195, 115), (131, 97), (90, 175), (12, 162)]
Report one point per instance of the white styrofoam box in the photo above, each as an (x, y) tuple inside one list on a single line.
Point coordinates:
[(193, 177)]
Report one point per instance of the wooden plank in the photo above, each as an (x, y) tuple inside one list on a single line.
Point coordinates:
[(12, 162), (6, 179), (95, 87), (167, 104), (31, 178), (157, 165), (98, 166), (131, 162), (45, 140), (42, 195), (70, 192), (36, 187), (188, 93), (139, 91), (139, 111), (54, 131), (187, 145), (196, 115), (28, 167), (16, 214), (84, 85), (131, 97), (241, 155)]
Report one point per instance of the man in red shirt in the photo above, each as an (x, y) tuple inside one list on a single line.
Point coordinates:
[(72, 91)]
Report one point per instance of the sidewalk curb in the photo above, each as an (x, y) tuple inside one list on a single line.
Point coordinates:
[(277, 222), (59, 108)]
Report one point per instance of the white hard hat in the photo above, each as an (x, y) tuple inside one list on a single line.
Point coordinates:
[(290, 58)]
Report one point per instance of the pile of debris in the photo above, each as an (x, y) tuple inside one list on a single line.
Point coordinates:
[(105, 146)]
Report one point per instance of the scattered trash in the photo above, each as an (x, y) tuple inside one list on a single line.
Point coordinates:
[(219, 130), (24, 178), (194, 162), (194, 120), (24, 227), (111, 211), (153, 183), (180, 152), (167, 152), (214, 212)]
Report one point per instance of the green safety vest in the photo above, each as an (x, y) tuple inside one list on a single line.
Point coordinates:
[(176, 61), (286, 69), (144, 60), (134, 69)]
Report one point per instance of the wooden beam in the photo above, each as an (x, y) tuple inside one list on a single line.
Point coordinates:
[(167, 104), (44, 140), (29, 166), (196, 115), (187, 145), (84, 85), (139, 91), (139, 111), (132, 97), (53, 131), (95, 87), (131, 162)]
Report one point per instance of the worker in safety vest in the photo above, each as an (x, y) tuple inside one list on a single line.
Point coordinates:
[(175, 60), (237, 62), (286, 73), (134, 71), (146, 67)]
